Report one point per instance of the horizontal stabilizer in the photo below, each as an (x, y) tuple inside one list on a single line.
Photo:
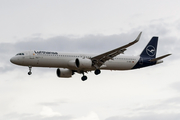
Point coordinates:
[(159, 58)]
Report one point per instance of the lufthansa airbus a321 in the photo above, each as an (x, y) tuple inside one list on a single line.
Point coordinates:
[(67, 64)]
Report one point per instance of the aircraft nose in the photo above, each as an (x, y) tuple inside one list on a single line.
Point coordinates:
[(13, 60)]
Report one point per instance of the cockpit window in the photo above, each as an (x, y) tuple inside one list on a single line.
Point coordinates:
[(20, 54)]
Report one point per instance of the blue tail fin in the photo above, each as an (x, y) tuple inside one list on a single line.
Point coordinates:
[(151, 48)]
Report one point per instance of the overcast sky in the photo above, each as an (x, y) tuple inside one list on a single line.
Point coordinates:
[(87, 26)]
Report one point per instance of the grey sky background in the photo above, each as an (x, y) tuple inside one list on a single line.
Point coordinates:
[(89, 27)]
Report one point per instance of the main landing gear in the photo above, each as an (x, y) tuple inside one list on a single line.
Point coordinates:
[(96, 72), (83, 78), (29, 73)]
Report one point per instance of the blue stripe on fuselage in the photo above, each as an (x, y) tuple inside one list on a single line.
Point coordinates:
[(143, 62)]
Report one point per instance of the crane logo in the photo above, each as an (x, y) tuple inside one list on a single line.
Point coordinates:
[(150, 50)]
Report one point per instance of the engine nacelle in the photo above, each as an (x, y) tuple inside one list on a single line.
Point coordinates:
[(64, 73), (83, 63)]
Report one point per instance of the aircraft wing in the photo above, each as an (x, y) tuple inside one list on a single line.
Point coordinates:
[(102, 58)]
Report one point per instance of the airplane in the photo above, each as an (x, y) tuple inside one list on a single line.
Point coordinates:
[(69, 63)]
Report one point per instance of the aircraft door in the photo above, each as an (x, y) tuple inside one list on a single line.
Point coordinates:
[(31, 55), (32, 59)]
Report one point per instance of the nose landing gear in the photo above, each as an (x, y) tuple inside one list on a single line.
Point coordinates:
[(29, 73)]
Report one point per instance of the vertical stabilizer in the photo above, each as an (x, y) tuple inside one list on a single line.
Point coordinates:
[(151, 48)]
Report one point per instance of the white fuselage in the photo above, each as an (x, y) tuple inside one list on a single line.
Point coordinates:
[(68, 63), (66, 60)]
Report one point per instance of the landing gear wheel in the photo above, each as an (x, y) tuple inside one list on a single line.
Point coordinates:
[(97, 72), (29, 73), (83, 78)]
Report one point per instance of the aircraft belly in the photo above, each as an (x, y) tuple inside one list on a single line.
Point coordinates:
[(53, 63), (47, 62)]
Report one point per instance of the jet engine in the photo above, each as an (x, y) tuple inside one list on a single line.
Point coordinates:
[(66, 73), (83, 63)]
